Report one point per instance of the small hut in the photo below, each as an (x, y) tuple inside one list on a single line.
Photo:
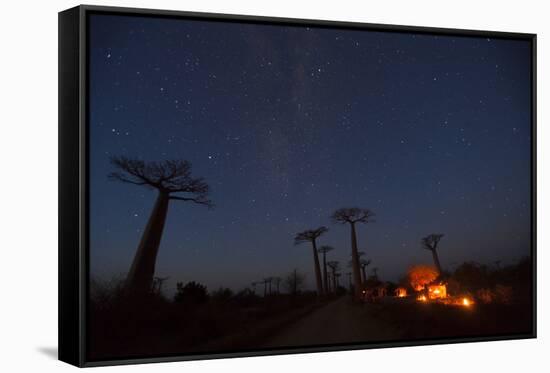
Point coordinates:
[(437, 291), (375, 293)]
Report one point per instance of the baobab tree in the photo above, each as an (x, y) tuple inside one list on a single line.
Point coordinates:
[(266, 282), (158, 282), (277, 281), (324, 250), (311, 236), (337, 281), (294, 281), (334, 266), (173, 181), (430, 243), (364, 264), (254, 283), (353, 216), (269, 281)]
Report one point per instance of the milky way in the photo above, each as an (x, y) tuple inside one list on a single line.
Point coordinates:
[(287, 124)]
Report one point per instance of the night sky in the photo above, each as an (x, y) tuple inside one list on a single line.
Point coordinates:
[(287, 124)]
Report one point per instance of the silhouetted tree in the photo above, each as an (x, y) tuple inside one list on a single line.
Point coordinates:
[(254, 283), (294, 282), (265, 281), (364, 264), (269, 280), (349, 281), (222, 295), (172, 180), (158, 282), (324, 250), (421, 275), (375, 272), (337, 275), (430, 243), (246, 298), (353, 216), (472, 276), (333, 265), (192, 293), (311, 236), (277, 281)]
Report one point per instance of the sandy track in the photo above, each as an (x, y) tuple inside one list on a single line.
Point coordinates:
[(337, 322)]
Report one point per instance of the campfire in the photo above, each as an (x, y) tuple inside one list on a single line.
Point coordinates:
[(461, 301), (400, 292)]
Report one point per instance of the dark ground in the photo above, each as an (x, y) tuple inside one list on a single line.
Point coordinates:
[(337, 322), (342, 321), (171, 329)]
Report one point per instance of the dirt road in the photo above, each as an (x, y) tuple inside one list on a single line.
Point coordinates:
[(337, 322)]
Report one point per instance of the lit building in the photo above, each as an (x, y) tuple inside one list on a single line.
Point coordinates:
[(400, 292), (437, 291)]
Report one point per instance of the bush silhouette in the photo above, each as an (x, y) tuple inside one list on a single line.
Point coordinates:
[(191, 293), (222, 295)]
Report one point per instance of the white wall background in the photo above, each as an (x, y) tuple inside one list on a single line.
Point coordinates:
[(28, 183)]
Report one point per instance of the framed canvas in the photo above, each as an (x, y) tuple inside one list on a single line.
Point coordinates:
[(241, 186)]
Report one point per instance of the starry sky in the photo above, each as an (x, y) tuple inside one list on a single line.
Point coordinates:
[(289, 123)]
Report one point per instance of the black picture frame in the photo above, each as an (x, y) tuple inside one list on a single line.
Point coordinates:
[(74, 189)]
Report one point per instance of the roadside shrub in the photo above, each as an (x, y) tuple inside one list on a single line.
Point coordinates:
[(485, 296), (191, 293), (504, 294)]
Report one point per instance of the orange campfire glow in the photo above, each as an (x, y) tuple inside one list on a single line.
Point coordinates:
[(437, 291), (466, 302), (460, 301), (400, 292), (422, 275), (422, 298)]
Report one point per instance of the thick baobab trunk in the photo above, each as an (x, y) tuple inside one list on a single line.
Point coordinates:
[(436, 261), (358, 284), (141, 273), (325, 274), (317, 269), (334, 287)]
